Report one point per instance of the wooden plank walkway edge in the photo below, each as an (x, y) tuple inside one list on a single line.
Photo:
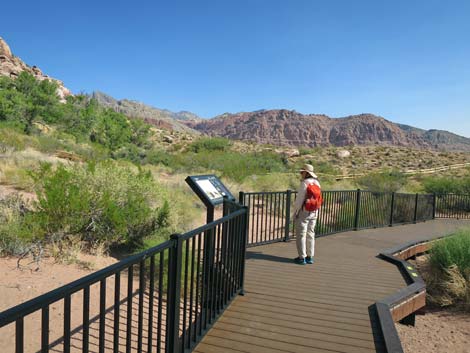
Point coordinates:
[(404, 303)]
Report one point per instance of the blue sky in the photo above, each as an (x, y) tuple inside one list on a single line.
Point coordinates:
[(408, 61)]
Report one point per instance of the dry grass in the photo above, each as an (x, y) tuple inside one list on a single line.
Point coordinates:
[(446, 271)]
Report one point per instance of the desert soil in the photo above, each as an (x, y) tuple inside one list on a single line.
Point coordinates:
[(439, 331)]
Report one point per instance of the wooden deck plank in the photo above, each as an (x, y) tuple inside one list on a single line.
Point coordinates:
[(303, 305), (292, 335), (282, 341), (321, 308), (314, 326)]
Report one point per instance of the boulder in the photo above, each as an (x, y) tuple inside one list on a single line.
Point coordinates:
[(343, 154), (168, 139)]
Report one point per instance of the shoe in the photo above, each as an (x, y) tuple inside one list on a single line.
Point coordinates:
[(300, 260), (309, 260)]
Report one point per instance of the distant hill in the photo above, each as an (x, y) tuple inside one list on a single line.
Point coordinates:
[(447, 140), (290, 128), (158, 117)]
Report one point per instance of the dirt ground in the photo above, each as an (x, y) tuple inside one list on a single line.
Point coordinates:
[(438, 331), (20, 285)]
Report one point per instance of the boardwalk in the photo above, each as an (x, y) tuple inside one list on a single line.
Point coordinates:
[(321, 308)]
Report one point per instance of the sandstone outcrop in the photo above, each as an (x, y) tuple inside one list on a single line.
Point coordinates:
[(12, 66), (290, 128)]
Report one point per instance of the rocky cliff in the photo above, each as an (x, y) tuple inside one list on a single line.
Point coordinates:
[(161, 118), (285, 127), (12, 66)]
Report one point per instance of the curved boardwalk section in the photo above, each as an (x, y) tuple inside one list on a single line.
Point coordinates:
[(325, 307)]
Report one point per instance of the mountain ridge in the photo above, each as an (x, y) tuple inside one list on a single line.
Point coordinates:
[(290, 128), (162, 118)]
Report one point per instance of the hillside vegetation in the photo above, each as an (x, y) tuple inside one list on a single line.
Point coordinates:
[(76, 174)]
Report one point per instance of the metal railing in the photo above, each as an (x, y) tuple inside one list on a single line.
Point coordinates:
[(271, 219), (165, 298), (453, 206), (161, 300)]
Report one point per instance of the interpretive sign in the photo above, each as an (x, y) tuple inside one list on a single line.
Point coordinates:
[(209, 188)]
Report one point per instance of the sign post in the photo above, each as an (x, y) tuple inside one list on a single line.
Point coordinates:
[(211, 192)]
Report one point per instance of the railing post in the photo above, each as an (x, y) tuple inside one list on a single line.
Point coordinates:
[(358, 208), (434, 206), (241, 198), (245, 241), (174, 295), (287, 225), (415, 217), (392, 209)]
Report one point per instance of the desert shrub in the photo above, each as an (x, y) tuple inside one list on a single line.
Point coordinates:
[(98, 203), (11, 139), (320, 167), (324, 167), (233, 165), (449, 280), (441, 185), (210, 144), (305, 151), (386, 182), (157, 156), (452, 250), (26, 100), (340, 214), (131, 153), (111, 129), (447, 185), (270, 182), (49, 144), (14, 238)]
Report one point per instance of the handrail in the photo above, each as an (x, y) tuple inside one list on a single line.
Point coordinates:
[(192, 278), (213, 224), (26, 308)]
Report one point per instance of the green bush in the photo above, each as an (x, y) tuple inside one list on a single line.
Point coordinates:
[(10, 139), (26, 100), (447, 185), (442, 185), (131, 153), (100, 203), (448, 281), (157, 156), (452, 250), (232, 165), (386, 182), (270, 182), (210, 144)]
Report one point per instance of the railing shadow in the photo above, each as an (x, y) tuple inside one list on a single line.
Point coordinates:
[(77, 334), (254, 255)]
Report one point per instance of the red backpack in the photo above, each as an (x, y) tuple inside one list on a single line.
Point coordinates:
[(313, 198)]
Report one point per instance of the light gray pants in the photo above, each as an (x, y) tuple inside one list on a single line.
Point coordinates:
[(305, 233)]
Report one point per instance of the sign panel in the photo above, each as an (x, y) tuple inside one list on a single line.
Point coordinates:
[(209, 188)]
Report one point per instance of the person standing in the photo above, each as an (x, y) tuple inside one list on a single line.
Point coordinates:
[(305, 221)]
